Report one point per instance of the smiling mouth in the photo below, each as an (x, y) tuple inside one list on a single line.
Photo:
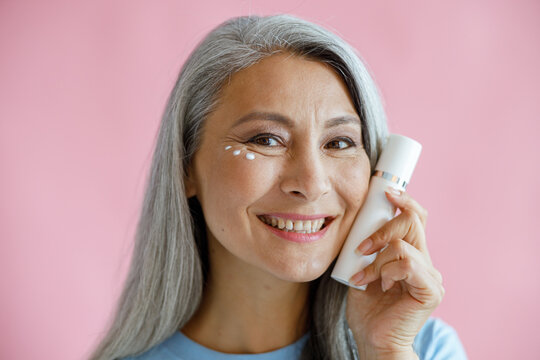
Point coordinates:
[(296, 226)]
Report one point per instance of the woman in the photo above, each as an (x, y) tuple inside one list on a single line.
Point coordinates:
[(273, 129)]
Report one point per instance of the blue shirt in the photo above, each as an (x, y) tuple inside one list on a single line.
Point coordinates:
[(435, 341)]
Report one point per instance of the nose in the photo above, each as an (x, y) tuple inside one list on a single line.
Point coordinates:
[(305, 176)]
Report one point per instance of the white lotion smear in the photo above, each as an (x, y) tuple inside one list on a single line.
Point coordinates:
[(228, 147), (236, 152), (250, 156)]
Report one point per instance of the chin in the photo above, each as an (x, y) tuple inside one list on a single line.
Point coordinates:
[(301, 272)]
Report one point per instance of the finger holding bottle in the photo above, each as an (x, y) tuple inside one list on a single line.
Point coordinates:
[(404, 201), (402, 258), (400, 261), (409, 225)]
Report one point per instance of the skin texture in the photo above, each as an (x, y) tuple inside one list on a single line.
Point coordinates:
[(256, 295)]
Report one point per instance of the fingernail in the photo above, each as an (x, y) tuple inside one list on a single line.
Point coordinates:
[(364, 246), (393, 191), (384, 285), (357, 277)]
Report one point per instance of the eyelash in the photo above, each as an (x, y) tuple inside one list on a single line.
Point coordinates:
[(254, 139), (350, 142)]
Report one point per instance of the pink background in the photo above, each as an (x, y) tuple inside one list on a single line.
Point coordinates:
[(82, 89)]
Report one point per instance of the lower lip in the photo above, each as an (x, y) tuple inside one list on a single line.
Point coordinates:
[(298, 237)]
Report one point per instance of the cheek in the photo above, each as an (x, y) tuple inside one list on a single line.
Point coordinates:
[(232, 185), (352, 184), (354, 174), (246, 175), (233, 182)]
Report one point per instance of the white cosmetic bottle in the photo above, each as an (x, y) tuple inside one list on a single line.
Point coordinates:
[(394, 168)]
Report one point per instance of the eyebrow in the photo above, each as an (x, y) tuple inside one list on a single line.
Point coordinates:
[(284, 120)]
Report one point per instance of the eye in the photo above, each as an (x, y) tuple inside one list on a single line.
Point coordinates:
[(267, 140), (340, 143)]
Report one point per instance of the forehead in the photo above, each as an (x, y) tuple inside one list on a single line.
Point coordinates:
[(286, 83)]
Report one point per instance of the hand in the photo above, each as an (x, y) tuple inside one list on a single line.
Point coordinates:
[(386, 317)]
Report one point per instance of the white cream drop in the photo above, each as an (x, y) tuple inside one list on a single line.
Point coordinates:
[(228, 147), (250, 156), (236, 152)]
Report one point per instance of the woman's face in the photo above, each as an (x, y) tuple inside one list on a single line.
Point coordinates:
[(283, 145)]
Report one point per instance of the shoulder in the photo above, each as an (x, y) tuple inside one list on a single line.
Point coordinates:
[(438, 341)]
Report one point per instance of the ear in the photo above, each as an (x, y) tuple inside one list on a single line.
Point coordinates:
[(190, 184)]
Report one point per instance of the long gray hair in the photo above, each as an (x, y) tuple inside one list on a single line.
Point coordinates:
[(166, 278)]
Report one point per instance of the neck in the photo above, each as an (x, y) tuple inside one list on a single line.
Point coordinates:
[(247, 310)]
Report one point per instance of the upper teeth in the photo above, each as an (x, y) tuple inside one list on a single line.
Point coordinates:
[(300, 226)]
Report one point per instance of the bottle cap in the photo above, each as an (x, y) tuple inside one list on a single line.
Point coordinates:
[(399, 157)]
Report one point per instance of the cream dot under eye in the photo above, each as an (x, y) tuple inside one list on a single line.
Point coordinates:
[(236, 152), (250, 156), (228, 147)]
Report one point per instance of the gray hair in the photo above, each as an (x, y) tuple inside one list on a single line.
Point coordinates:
[(166, 278)]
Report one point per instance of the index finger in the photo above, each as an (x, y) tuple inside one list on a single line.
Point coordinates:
[(409, 226), (403, 201)]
